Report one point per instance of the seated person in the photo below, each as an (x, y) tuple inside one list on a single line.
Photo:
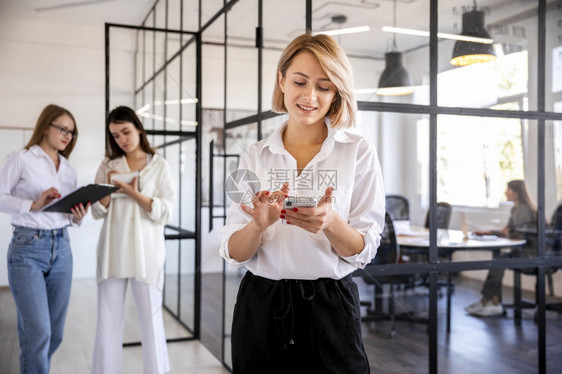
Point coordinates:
[(523, 214)]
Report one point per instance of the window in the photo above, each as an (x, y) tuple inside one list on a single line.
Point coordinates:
[(496, 145)]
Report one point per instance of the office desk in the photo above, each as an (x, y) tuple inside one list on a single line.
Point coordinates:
[(449, 241)]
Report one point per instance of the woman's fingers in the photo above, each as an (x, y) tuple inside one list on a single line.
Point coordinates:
[(109, 173), (247, 209)]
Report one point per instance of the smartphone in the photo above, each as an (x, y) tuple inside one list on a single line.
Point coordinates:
[(299, 202)]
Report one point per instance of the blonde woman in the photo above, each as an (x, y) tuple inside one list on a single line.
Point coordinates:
[(297, 308), (39, 256)]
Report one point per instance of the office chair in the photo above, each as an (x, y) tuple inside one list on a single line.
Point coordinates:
[(443, 215), (387, 253), (443, 219), (553, 247), (398, 207)]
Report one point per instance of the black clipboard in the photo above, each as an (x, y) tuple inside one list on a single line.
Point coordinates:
[(87, 194)]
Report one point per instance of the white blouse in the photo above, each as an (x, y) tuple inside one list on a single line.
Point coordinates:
[(347, 162), (131, 242), (24, 175)]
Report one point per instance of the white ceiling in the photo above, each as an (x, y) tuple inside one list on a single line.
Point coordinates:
[(78, 11), (284, 19)]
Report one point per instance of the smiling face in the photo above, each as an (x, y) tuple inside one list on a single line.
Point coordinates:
[(126, 135), (54, 138), (308, 92)]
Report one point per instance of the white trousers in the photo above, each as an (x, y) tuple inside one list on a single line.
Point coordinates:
[(108, 347)]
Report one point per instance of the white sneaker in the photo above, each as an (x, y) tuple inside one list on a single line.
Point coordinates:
[(489, 310), (474, 307)]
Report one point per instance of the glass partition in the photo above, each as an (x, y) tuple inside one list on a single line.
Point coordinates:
[(242, 61), (163, 93), (173, 93), (553, 210), (238, 140), (553, 57), (268, 126), (405, 333), (190, 14), (276, 38), (171, 289), (187, 301), (387, 46), (209, 8), (123, 57), (477, 158), (464, 156)]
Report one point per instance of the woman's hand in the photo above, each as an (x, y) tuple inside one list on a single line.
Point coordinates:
[(127, 188), (266, 207), (312, 219), (79, 212), (132, 189), (107, 199), (45, 198), (244, 243)]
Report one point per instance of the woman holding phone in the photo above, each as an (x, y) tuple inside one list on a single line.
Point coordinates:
[(297, 308), (131, 247), (39, 256)]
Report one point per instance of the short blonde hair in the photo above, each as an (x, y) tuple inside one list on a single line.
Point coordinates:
[(335, 64)]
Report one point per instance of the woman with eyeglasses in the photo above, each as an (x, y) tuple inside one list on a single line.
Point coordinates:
[(39, 255)]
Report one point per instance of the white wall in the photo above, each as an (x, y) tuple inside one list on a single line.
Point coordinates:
[(45, 63)]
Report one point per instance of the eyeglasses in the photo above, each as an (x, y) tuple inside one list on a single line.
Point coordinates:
[(63, 131)]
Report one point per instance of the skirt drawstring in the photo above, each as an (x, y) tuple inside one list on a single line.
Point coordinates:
[(285, 315)]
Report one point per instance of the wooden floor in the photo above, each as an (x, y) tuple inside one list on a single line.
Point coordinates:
[(474, 345)]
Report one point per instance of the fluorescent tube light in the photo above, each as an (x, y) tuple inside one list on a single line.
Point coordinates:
[(349, 30), (464, 38)]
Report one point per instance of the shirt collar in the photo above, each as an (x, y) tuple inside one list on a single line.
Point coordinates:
[(38, 151), (275, 141)]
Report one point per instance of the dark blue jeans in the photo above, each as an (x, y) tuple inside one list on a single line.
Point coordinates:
[(40, 274), (297, 326)]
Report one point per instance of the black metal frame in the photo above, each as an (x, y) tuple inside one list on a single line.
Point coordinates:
[(180, 233), (433, 267)]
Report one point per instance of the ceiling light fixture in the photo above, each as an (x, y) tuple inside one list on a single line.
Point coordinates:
[(146, 107), (167, 119), (349, 30), (340, 19), (468, 53), (394, 79), (442, 35)]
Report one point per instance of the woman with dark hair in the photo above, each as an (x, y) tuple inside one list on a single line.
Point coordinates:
[(523, 214), (131, 247), (39, 256)]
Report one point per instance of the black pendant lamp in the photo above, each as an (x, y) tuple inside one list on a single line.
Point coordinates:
[(394, 79), (468, 53)]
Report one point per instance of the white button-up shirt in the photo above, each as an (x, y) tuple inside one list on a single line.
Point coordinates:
[(24, 175), (347, 162), (131, 242)]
